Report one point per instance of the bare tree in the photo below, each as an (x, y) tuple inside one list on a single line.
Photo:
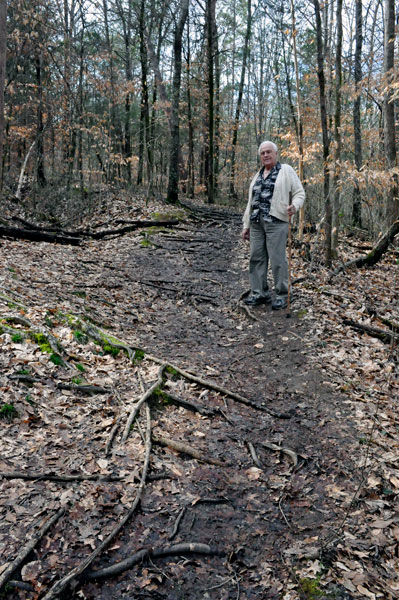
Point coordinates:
[(232, 191), (324, 127), (337, 131), (3, 48), (357, 204), (392, 208), (173, 184)]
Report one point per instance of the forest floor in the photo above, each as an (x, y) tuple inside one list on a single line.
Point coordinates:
[(287, 484)]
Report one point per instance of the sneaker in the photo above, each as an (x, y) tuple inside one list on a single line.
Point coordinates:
[(279, 304), (256, 300)]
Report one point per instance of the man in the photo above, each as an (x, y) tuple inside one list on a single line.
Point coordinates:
[(275, 194)]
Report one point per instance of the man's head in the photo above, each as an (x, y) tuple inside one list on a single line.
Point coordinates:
[(268, 154)]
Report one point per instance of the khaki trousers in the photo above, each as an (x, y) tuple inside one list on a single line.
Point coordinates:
[(268, 243)]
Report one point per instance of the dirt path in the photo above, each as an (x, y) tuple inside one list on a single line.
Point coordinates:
[(273, 525)]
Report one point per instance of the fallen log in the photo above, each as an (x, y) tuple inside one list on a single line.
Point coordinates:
[(375, 254), (382, 334), (37, 236)]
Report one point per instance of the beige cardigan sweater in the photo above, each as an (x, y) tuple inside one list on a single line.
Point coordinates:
[(287, 181)]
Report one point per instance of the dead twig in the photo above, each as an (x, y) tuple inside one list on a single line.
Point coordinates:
[(254, 455), (24, 553)]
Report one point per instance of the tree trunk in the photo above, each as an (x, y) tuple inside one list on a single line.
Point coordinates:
[(144, 94), (357, 201), (40, 175), (392, 207), (190, 162), (3, 51), (173, 184), (337, 132), (299, 114), (324, 127), (209, 149), (232, 191)]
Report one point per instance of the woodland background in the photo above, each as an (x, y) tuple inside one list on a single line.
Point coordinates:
[(171, 98)]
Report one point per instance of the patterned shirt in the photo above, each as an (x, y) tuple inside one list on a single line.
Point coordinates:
[(262, 193)]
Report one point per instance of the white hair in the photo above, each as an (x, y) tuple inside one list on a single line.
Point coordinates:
[(267, 142)]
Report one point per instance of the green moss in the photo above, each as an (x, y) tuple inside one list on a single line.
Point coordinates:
[(80, 367), (139, 355), (80, 336), (111, 350), (146, 243), (301, 313), (23, 372), (77, 380), (8, 412), (310, 588), (17, 338), (171, 371), (169, 216), (56, 359)]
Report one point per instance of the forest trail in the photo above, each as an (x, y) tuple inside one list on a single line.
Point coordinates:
[(299, 507)]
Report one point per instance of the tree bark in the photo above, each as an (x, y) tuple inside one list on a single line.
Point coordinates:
[(232, 191), (337, 132), (299, 114), (173, 185), (3, 51), (392, 207), (324, 126), (357, 203)]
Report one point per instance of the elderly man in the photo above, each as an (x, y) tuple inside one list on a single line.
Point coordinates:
[(275, 194)]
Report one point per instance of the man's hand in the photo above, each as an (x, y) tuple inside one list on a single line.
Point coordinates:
[(291, 210), (245, 235)]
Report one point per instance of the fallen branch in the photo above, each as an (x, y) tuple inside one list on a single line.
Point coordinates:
[(34, 235), (185, 449), (382, 334), (175, 550), (59, 587), (24, 553)]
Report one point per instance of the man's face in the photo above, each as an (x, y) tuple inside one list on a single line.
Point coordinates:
[(268, 156)]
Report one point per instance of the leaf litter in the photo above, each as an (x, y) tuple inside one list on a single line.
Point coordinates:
[(329, 521)]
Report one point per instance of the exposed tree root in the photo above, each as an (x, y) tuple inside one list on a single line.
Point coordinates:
[(186, 449), (53, 477), (26, 550), (293, 455), (61, 585), (175, 550), (143, 399)]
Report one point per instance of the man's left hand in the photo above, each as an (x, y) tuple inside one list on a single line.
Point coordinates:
[(291, 210)]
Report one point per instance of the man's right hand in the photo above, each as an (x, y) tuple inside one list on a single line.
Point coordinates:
[(245, 235)]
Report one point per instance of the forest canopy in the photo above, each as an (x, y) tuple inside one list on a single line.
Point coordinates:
[(173, 98)]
